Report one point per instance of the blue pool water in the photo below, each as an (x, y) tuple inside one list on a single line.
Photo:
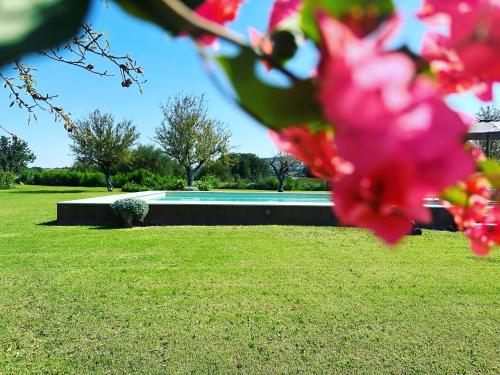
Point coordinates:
[(245, 197)]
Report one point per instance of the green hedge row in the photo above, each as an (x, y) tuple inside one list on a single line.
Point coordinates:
[(66, 177), (141, 180), (271, 183)]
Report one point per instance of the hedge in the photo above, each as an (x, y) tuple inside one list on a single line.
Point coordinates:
[(141, 180)]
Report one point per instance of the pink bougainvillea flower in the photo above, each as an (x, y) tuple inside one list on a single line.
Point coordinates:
[(475, 208), (403, 141), (381, 200), (463, 59), (315, 148), (486, 234), (379, 109), (354, 71), (218, 11), (281, 11), (478, 218)]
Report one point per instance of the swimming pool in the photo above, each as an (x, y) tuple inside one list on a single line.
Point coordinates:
[(245, 197), (221, 208)]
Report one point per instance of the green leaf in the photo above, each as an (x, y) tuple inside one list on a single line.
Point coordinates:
[(369, 10), (491, 170), (456, 195), (274, 107), (28, 25), (148, 11)]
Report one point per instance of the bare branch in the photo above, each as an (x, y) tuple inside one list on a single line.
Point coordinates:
[(24, 93), (8, 132), (90, 43)]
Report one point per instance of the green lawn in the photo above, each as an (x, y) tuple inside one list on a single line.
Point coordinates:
[(252, 300)]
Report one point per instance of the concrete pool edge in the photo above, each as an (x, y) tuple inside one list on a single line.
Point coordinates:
[(97, 212)]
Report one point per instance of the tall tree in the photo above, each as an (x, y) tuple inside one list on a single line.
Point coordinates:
[(189, 136), (14, 155), (282, 164), (97, 140), (248, 166), (153, 159)]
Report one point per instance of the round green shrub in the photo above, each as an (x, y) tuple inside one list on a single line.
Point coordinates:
[(180, 184), (212, 180), (203, 185), (130, 210), (7, 180)]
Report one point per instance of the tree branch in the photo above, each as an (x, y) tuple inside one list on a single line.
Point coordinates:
[(91, 42), (26, 88), (196, 26)]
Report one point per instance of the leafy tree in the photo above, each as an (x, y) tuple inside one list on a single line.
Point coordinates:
[(80, 166), (248, 166), (282, 164), (219, 168), (14, 155), (189, 136), (238, 166), (488, 113), (154, 160), (97, 140)]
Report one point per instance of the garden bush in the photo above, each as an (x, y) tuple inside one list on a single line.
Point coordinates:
[(212, 180), (271, 183), (130, 210), (7, 180), (131, 187), (208, 182), (139, 177), (203, 185), (179, 184)]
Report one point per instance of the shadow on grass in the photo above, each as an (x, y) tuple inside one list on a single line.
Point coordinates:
[(75, 191), (52, 223), (113, 227)]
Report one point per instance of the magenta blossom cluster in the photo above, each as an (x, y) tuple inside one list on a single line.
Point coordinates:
[(389, 139)]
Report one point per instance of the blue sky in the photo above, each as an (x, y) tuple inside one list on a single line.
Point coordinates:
[(171, 65)]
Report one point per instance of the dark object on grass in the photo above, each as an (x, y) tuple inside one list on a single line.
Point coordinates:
[(415, 231), (131, 210)]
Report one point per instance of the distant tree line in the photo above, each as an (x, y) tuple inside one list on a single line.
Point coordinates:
[(191, 150), (188, 143)]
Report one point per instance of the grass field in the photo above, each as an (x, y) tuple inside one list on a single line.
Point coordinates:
[(250, 300)]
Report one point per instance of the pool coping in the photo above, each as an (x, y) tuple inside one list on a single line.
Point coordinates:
[(151, 198)]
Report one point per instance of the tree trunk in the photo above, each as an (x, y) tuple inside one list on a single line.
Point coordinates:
[(109, 184), (281, 184), (189, 173)]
